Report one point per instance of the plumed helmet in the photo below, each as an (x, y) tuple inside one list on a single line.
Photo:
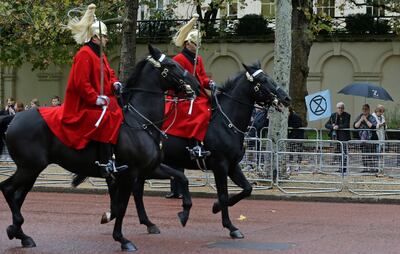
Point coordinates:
[(88, 26), (187, 33), (96, 28)]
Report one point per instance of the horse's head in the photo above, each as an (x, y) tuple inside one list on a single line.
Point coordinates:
[(265, 90), (174, 76)]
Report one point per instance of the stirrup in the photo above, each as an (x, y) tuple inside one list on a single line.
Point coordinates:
[(107, 170), (198, 152)]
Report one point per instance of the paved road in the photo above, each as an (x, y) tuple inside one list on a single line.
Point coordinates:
[(69, 223)]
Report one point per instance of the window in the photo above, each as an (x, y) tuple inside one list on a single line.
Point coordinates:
[(268, 8), (232, 9), (160, 4), (373, 10), (326, 6)]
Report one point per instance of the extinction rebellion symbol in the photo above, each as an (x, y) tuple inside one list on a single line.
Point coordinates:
[(318, 105)]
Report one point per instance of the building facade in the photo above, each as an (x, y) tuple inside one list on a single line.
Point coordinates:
[(333, 64)]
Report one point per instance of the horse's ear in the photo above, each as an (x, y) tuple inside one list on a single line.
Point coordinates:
[(258, 64), (154, 52), (247, 68)]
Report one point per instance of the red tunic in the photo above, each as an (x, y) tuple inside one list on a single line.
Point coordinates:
[(74, 121), (196, 124)]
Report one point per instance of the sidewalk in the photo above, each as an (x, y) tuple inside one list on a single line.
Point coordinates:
[(56, 179)]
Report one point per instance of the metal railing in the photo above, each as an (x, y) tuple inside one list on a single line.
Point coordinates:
[(227, 27), (307, 132), (373, 167), (309, 166), (369, 167)]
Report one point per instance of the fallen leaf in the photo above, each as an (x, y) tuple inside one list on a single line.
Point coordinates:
[(242, 217)]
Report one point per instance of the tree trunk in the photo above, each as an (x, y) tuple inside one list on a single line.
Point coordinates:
[(302, 40), (282, 63), (128, 45)]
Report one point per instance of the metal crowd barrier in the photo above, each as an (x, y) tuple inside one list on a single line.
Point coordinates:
[(256, 164), (46, 178), (309, 133), (7, 166), (390, 134), (196, 178), (309, 166), (373, 167)]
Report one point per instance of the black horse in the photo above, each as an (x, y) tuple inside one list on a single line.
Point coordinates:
[(33, 146), (232, 109)]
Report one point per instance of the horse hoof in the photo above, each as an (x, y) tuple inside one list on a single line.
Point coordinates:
[(28, 243), (216, 208), (183, 218), (10, 232), (106, 218), (153, 230), (236, 234), (128, 246)]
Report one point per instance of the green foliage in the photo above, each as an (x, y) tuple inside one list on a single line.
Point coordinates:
[(363, 23), (34, 31), (253, 24), (393, 118), (160, 24)]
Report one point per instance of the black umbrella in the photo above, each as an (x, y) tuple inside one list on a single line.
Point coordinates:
[(367, 90)]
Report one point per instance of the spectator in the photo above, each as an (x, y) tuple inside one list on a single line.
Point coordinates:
[(337, 122), (35, 103), (295, 122), (259, 121), (366, 122), (9, 109), (55, 101), (19, 106), (380, 121)]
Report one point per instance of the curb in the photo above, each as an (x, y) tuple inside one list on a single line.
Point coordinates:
[(254, 196)]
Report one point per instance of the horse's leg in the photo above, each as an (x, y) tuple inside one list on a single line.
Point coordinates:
[(221, 182), (122, 195), (137, 191), (109, 216), (15, 190), (240, 180), (165, 172)]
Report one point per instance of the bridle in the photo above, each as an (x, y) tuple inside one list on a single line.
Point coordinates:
[(252, 78), (166, 75)]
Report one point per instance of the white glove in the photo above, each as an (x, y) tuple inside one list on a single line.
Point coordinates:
[(117, 87), (102, 100), (212, 85)]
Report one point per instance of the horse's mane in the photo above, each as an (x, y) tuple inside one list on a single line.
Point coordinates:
[(132, 80), (230, 83)]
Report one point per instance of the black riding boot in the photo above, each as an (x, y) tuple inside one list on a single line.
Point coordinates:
[(107, 161), (198, 151)]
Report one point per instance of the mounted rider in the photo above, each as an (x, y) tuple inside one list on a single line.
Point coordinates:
[(90, 111), (192, 117)]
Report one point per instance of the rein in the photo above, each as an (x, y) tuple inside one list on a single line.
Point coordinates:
[(231, 124), (144, 126), (250, 78)]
